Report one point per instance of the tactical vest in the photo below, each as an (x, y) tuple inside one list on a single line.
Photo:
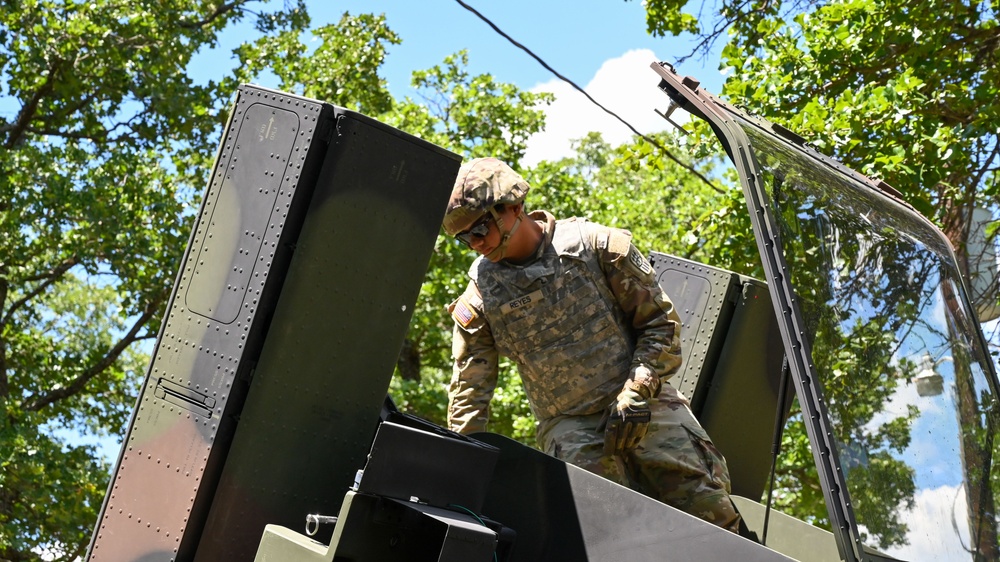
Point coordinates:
[(559, 321)]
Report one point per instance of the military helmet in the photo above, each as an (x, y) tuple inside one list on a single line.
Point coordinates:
[(481, 184)]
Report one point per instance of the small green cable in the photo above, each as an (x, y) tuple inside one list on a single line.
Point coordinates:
[(481, 522)]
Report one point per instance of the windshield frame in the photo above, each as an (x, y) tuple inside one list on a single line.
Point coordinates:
[(725, 121)]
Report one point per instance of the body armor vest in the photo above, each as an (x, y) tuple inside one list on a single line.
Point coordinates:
[(559, 321)]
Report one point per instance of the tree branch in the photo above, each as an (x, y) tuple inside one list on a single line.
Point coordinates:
[(219, 11), (985, 169), (46, 280), (704, 46), (28, 111), (67, 134), (4, 381), (80, 382)]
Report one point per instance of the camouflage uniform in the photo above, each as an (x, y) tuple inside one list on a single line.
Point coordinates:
[(578, 319)]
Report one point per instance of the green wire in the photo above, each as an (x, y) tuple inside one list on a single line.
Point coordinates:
[(481, 522)]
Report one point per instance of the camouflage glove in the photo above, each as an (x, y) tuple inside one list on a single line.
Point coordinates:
[(627, 418)]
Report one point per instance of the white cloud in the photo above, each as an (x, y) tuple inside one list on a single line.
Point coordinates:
[(625, 85), (939, 526)]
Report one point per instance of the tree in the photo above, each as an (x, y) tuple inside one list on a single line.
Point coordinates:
[(101, 167), (902, 92), (99, 163)]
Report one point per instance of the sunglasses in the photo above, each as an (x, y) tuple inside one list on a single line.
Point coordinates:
[(479, 229)]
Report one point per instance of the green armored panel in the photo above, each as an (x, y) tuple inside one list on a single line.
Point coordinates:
[(300, 277), (701, 295), (324, 369), (740, 400), (267, 162)]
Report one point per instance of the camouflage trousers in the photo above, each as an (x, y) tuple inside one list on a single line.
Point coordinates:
[(676, 462)]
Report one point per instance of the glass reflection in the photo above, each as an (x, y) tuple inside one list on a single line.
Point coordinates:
[(897, 356)]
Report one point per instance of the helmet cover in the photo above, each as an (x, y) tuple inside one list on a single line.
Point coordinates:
[(481, 183)]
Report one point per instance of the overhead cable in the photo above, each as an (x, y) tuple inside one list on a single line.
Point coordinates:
[(545, 65)]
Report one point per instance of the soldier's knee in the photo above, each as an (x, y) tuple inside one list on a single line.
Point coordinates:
[(717, 509)]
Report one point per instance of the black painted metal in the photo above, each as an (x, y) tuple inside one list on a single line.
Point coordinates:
[(744, 390), (325, 367), (562, 513), (379, 529), (259, 408), (439, 468)]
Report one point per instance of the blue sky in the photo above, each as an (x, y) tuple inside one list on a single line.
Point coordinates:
[(601, 45), (574, 38)]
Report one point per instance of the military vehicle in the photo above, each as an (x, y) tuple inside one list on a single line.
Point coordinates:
[(264, 430)]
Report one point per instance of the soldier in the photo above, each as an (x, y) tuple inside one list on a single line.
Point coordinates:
[(595, 339)]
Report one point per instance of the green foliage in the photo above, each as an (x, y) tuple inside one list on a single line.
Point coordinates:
[(667, 17), (342, 70), (475, 116), (796, 489), (904, 92), (707, 223), (100, 162), (51, 489), (908, 94)]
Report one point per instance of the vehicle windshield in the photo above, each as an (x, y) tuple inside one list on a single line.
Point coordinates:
[(897, 356)]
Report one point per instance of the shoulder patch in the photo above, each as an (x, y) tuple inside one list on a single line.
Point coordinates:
[(639, 261), (613, 243), (619, 242), (462, 312)]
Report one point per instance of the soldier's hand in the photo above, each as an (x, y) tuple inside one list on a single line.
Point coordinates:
[(628, 419)]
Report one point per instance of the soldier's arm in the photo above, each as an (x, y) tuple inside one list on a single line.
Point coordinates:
[(474, 374), (650, 311)]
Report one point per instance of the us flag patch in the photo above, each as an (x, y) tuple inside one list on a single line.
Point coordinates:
[(463, 313)]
